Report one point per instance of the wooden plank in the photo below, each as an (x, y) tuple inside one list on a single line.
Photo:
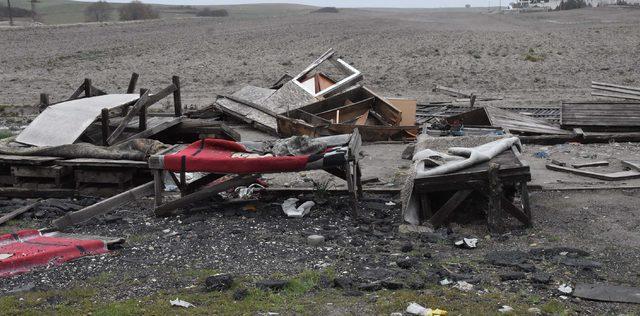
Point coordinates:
[(103, 176), (27, 160), (516, 212), (103, 163), (24, 193), (451, 205), (177, 99), (614, 86), (631, 164), (408, 108), (206, 193), (613, 95), (133, 82), (623, 175), (142, 101), (607, 293), (17, 212), (152, 131), (103, 206), (590, 164), (40, 171)]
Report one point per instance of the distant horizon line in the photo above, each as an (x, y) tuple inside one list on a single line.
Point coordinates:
[(449, 5)]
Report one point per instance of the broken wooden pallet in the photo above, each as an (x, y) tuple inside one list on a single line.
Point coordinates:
[(614, 176)]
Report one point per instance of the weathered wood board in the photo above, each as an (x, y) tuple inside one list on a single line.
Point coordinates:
[(605, 116), (509, 121), (63, 123)]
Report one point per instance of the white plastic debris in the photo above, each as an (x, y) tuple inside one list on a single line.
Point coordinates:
[(289, 208), (390, 203), (417, 309), (505, 309), (468, 243), (445, 282), (463, 286), (5, 256), (565, 289), (181, 303), (247, 192)]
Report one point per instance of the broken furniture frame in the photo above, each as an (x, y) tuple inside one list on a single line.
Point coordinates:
[(194, 192), (510, 173), (355, 108), (139, 108), (353, 75)]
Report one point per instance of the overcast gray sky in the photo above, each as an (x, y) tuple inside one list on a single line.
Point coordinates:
[(344, 3)]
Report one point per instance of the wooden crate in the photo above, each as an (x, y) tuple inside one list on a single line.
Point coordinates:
[(41, 177)]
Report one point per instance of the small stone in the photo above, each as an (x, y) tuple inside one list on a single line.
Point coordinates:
[(407, 263), (409, 229), (541, 278), (274, 285), (240, 294), (370, 287), (534, 311), (510, 276), (352, 293), (219, 282), (343, 282), (315, 240), (392, 285), (407, 247)]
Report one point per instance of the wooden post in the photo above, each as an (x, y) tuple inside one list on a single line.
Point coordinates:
[(183, 174), (142, 114), (44, 101), (133, 82), (105, 126), (495, 215), (10, 13), (177, 100), (87, 87)]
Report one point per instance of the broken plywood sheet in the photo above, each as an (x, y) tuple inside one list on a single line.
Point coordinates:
[(246, 113), (608, 293), (408, 108), (287, 98), (75, 116), (508, 120)]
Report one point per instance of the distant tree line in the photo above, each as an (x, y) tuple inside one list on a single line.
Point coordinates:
[(210, 12), (15, 12), (572, 4), (135, 10)]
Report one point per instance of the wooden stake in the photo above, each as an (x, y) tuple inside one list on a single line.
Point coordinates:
[(105, 126), (44, 101), (133, 82), (142, 114), (495, 216), (87, 87), (177, 99)]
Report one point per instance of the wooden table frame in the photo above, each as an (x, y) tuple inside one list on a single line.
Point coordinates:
[(509, 171)]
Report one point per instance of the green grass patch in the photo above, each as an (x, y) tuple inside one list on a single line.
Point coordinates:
[(532, 56)]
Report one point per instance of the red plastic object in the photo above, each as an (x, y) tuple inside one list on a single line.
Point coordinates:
[(220, 156), (28, 249)]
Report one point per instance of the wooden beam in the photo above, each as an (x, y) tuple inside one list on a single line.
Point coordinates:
[(152, 131), (44, 101), (177, 99), (76, 94), (87, 87), (104, 118), (590, 164), (133, 82), (451, 205), (142, 113), (133, 112), (206, 193), (17, 212), (154, 98), (104, 206), (622, 175), (495, 216), (514, 211), (24, 193)]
